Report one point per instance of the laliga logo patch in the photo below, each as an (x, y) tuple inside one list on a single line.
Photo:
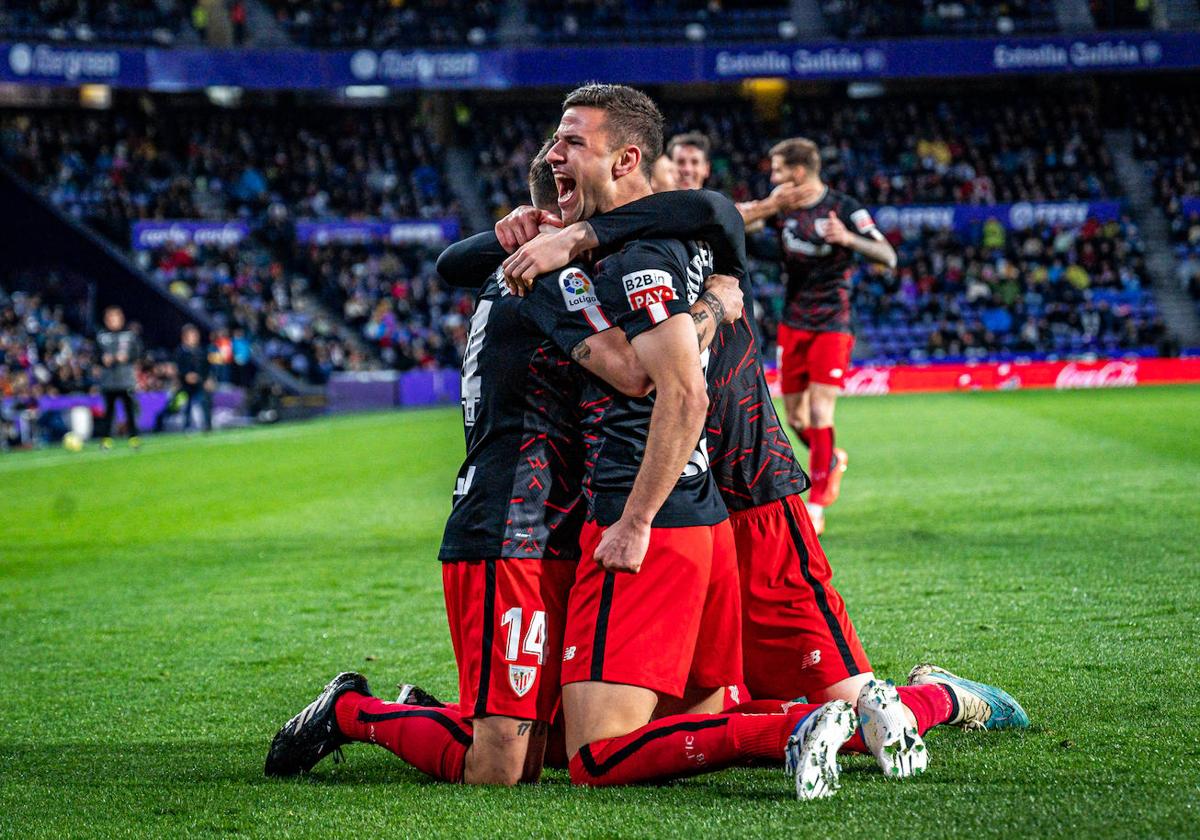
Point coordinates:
[(521, 678), (862, 220), (643, 289), (577, 290)]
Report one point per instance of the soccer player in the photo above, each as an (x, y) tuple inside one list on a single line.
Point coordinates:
[(788, 599), (119, 350), (689, 153), (515, 503), (821, 231), (653, 625)]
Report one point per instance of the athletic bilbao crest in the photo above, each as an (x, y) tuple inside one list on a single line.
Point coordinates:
[(521, 678)]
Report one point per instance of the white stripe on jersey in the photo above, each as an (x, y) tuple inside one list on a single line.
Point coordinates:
[(471, 381)]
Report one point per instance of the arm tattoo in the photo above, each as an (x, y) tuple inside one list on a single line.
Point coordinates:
[(581, 353), (535, 728), (714, 303), (699, 318)]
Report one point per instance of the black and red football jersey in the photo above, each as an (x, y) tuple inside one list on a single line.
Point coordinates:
[(750, 455), (640, 287), (518, 492), (818, 273)]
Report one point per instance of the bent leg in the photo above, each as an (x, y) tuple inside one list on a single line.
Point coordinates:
[(434, 741), (505, 751)]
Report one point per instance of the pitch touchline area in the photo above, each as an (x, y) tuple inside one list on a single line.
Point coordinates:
[(156, 445)]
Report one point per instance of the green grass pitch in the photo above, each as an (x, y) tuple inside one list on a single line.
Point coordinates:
[(163, 612)]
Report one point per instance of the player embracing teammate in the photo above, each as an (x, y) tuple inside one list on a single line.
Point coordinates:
[(651, 634)]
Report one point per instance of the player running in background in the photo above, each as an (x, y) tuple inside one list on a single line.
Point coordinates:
[(821, 231)]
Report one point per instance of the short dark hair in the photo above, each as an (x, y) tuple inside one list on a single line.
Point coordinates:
[(799, 151), (690, 138), (542, 187), (632, 118)]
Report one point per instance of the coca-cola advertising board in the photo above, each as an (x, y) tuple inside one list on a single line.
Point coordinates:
[(1003, 376)]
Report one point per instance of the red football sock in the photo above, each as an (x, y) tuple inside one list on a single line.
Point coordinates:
[(805, 436), (819, 461), (684, 745), (435, 741), (931, 705)]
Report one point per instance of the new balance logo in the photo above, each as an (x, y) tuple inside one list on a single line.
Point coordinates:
[(569, 653), (463, 486)]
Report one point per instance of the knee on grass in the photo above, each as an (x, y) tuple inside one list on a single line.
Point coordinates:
[(503, 752)]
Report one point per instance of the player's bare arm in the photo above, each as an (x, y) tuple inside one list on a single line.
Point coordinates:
[(672, 359), (783, 198), (874, 247), (522, 225), (720, 304), (609, 355)]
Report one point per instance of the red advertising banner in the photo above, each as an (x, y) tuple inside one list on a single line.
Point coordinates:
[(1110, 373)]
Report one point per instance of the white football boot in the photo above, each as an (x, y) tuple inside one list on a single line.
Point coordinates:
[(890, 737), (811, 753)]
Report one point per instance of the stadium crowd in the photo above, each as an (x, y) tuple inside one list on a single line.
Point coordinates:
[(388, 23), (270, 168), (108, 21), (274, 167), (888, 18), (1000, 294), (393, 297), (911, 150), (578, 21)]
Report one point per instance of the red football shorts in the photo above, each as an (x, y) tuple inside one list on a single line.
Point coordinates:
[(806, 356), (796, 636), (675, 624), (506, 624)]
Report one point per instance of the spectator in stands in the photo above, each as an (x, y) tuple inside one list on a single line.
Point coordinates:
[(120, 349), (237, 19)]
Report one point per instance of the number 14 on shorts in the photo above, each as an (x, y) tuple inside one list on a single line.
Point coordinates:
[(534, 642)]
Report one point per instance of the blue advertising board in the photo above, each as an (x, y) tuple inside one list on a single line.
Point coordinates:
[(161, 233), (398, 232), (1018, 216), (298, 69)]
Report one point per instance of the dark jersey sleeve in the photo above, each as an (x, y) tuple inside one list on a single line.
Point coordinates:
[(858, 218), (468, 263), (643, 286), (764, 245), (679, 214), (564, 307)]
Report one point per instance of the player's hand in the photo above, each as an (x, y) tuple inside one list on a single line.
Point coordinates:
[(727, 306), (543, 253), (522, 225), (788, 197), (835, 231), (623, 547)]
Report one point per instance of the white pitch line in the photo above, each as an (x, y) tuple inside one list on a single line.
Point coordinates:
[(20, 462)]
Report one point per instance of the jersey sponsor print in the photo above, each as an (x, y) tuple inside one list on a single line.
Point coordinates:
[(818, 273)]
